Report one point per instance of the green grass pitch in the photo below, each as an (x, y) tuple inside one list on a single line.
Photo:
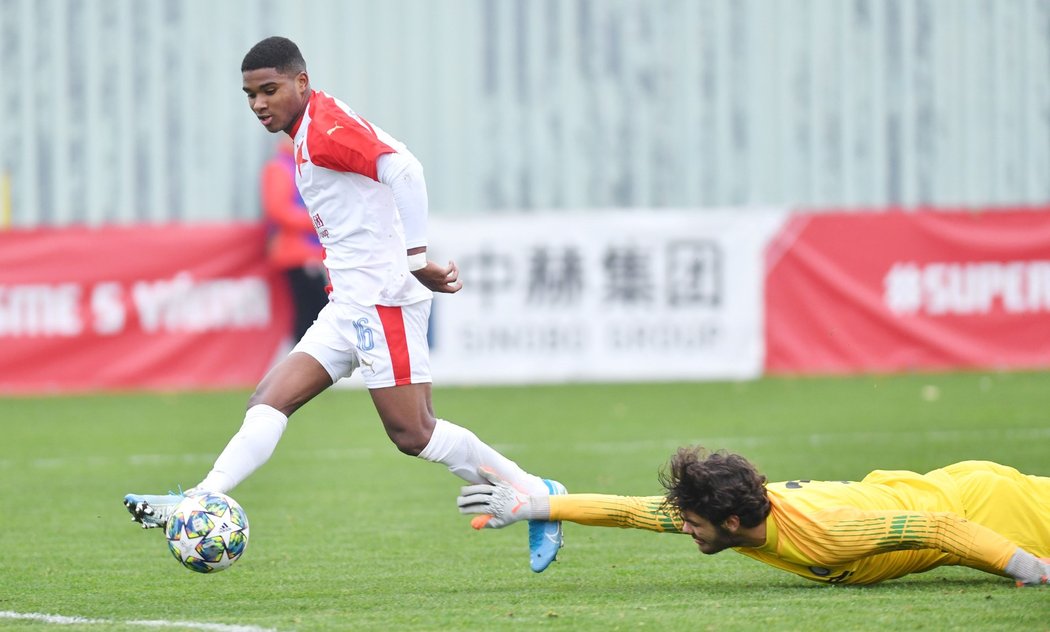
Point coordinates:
[(346, 533)]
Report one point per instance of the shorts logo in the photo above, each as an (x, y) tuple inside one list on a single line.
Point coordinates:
[(365, 340)]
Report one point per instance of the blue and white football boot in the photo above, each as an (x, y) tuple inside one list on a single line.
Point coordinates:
[(545, 536), (152, 510)]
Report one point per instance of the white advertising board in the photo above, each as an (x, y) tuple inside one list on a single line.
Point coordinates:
[(601, 296)]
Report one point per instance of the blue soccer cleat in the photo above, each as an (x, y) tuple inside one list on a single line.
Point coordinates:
[(152, 510), (545, 536)]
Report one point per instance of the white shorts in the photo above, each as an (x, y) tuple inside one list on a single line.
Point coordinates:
[(389, 344)]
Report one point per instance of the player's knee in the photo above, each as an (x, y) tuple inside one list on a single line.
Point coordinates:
[(411, 438), (410, 443)]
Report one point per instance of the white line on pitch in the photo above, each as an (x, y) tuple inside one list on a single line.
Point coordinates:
[(66, 620)]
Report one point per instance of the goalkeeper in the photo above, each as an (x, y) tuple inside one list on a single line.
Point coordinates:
[(892, 523)]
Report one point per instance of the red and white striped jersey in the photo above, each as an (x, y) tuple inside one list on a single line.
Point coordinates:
[(356, 218)]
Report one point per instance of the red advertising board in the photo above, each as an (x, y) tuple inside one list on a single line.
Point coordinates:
[(895, 291), (160, 307)]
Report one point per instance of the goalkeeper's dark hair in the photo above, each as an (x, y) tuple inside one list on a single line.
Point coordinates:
[(714, 486), (275, 52)]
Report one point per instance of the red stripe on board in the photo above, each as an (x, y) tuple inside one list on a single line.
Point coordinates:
[(396, 342)]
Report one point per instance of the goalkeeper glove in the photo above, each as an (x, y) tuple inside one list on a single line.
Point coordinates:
[(500, 503), (1027, 569)]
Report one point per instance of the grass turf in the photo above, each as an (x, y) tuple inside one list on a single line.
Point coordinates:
[(349, 534)]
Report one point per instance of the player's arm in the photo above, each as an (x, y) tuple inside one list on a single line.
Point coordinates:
[(500, 504), (403, 173), (605, 510), (349, 145), (844, 535)]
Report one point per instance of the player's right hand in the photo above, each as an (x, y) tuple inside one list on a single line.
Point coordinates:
[(499, 502), (438, 278)]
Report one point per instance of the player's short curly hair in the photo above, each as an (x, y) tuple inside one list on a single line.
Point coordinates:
[(275, 52), (715, 485)]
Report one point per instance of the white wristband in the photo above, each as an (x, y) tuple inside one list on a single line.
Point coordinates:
[(539, 507), (417, 261)]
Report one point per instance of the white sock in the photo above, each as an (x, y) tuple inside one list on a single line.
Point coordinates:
[(462, 451), (247, 450)]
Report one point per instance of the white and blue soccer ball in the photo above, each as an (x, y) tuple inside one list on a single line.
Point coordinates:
[(207, 532)]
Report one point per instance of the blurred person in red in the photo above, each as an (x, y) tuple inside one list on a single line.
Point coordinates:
[(293, 246)]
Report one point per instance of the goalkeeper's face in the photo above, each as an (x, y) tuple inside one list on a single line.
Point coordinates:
[(709, 537)]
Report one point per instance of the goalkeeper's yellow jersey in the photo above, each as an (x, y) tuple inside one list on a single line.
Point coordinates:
[(890, 524)]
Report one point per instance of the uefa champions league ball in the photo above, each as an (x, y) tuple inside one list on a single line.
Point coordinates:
[(207, 532)]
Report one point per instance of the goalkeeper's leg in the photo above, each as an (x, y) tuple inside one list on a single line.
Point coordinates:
[(1006, 501)]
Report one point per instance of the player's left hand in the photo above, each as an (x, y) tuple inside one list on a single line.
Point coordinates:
[(438, 278)]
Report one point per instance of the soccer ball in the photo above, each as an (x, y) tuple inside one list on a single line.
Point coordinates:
[(207, 532)]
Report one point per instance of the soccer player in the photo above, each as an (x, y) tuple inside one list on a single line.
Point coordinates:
[(892, 523), (367, 198)]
